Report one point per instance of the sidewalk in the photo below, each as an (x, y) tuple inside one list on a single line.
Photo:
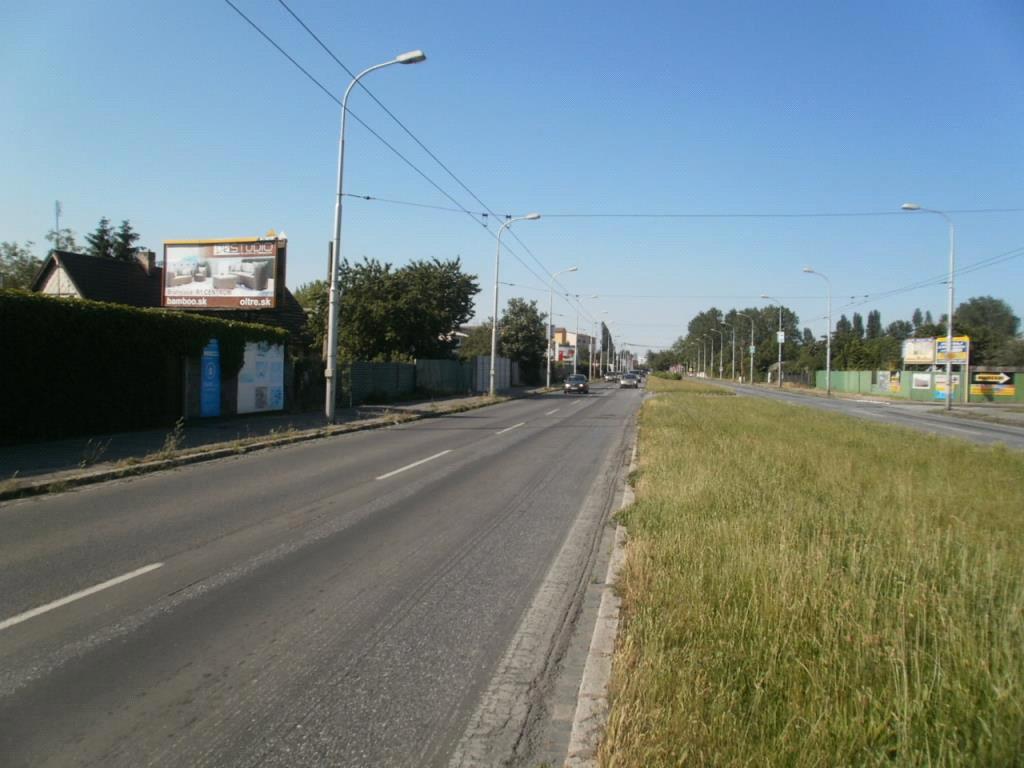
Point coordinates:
[(33, 468)]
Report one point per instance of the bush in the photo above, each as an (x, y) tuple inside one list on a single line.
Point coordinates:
[(76, 366)]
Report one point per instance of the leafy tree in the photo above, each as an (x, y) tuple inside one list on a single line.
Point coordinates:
[(917, 319), (524, 336), (857, 326), (874, 326), (900, 330), (101, 241), (123, 245), (18, 265), (313, 298), (987, 312), (62, 239), (843, 326), (928, 318), (478, 342)]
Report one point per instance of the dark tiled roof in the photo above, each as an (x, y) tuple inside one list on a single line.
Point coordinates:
[(126, 282), (100, 279)]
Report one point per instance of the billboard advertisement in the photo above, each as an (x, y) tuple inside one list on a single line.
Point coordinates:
[(961, 350), (566, 353), (261, 380), (919, 351), (221, 274)]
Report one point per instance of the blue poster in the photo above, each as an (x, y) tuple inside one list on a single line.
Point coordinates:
[(209, 382)]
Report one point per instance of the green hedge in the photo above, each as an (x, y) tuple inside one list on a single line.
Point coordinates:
[(78, 367)]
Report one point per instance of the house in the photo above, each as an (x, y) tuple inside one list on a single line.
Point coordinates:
[(138, 284)]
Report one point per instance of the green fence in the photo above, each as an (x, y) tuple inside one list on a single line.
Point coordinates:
[(381, 382), (444, 377)]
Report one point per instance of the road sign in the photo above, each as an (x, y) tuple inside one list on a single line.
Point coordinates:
[(992, 378), (781, 337), (752, 349)]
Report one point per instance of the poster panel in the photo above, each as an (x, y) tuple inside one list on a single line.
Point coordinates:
[(961, 350), (919, 351), (566, 353), (261, 380), (220, 274), (921, 381)]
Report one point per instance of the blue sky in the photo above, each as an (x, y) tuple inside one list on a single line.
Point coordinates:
[(179, 117)]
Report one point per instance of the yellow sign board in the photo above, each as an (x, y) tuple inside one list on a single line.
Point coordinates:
[(961, 350)]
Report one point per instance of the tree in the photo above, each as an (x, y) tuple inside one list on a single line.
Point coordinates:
[(18, 265), (874, 326), (928, 318), (900, 330), (524, 336), (843, 326), (101, 242), (62, 239), (857, 326), (917, 319), (987, 312), (388, 314), (477, 343), (123, 246), (312, 297)]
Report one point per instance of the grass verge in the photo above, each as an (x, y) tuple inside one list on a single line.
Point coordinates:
[(806, 589)]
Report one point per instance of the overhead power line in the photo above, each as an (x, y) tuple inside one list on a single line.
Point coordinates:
[(387, 144)]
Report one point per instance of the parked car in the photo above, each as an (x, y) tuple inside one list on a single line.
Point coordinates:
[(629, 380), (577, 383)]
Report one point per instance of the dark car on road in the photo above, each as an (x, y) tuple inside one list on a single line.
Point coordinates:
[(629, 380), (577, 382)]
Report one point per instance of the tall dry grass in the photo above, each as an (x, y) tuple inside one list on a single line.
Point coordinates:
[(804, 589)]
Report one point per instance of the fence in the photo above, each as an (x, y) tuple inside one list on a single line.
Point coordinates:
[(363, 382), (992, 385)]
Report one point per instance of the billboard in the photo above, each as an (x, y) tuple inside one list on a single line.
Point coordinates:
[(243, 273), (261, 380), (961, 350), (566, 353), (919, 351)]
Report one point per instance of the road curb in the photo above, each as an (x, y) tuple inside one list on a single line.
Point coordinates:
[(592, 702), (56, 482)]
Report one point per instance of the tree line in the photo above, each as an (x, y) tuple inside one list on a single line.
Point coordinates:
[(858, 343), (19, 263)]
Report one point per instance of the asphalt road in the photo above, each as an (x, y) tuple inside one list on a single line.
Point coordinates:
[(347, 602), (925, 418)]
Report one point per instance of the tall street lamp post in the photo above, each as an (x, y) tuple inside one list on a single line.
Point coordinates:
[(828, 339), (497, 265), (721, 353), (751, 348), (779, 337), (330, 371), (949, 302), (551, 317), (732, 349)]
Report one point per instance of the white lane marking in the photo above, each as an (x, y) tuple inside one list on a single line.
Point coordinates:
[(414, 464), (509, 429), (76, 596), (553, 410)]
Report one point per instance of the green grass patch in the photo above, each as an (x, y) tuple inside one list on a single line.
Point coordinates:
[(807, 589)]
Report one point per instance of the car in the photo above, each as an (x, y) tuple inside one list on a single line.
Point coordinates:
[(629, 380), (611, 376), (577, 383)]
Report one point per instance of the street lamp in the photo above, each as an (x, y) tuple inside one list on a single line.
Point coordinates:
[(721, 352), (751, 348), (828, 341), (780, 337), (949, 303), (732, 348), (411, 57), (497, 264), (551, 311)]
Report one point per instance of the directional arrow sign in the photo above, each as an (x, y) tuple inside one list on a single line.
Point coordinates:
[(992, 378)]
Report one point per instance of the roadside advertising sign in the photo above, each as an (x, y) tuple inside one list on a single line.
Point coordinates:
[(919, 351), (209, 380), (921, 381), (566, 353), (752, 349), (940, 385), (780, 337), (261, 380), (222, 274), (993, 384), (961, 350)]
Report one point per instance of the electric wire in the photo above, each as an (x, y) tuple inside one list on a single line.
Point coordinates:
[(422, 146), (380, 138)]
